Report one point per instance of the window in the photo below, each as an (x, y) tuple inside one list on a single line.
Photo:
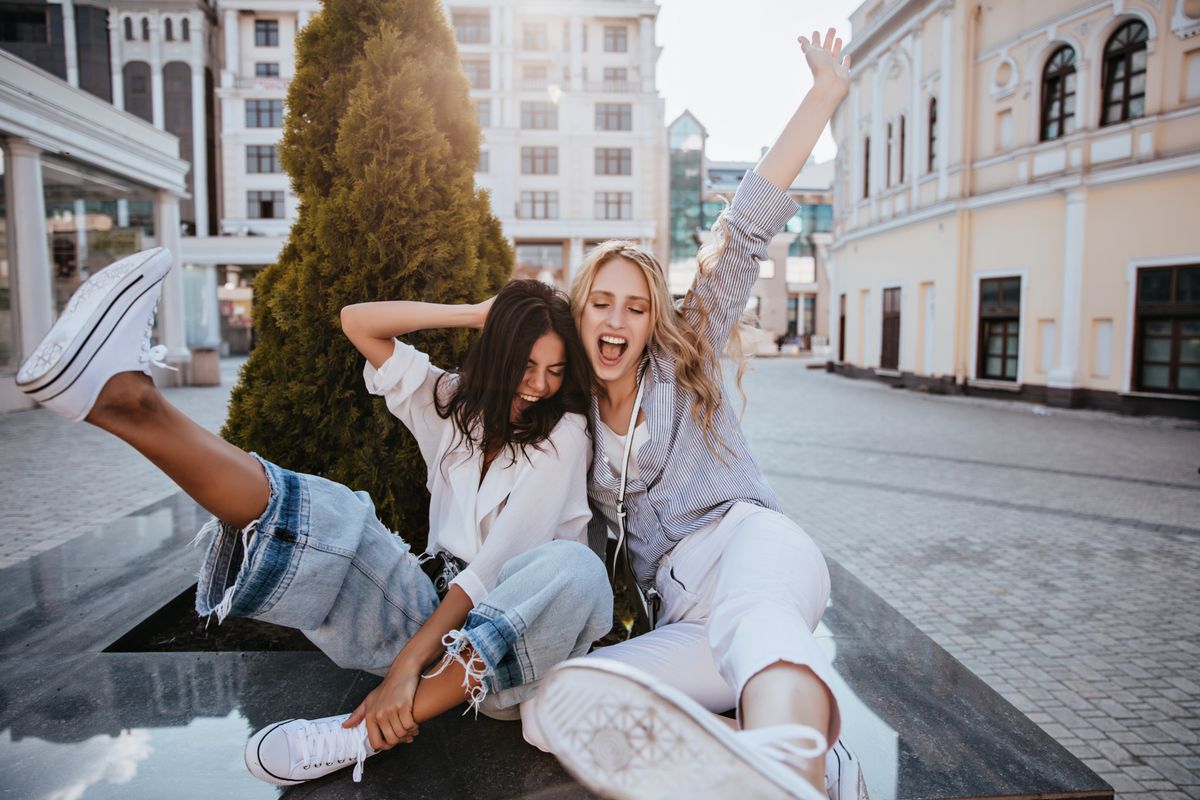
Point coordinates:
[(534, 76), (145, 29), (1167, 336), (266, 33), (538, 205), (264, 113), (266, 70), (999, 328), (168, 29), (889, 354), (185, 29), (539, 160), (887, 164), (472, 27), (842, 328), (1125, 74), (479, 74), (129, 29), (534, 37), (614, 205), (262, 158), (615, 79), (485, 162), (932, 164), (264, 205), (616, 39), (614, 161), (539, 116), (901, 149), (25, 24), (483, 111), (614, 116), (1058, 94), (866, 167)]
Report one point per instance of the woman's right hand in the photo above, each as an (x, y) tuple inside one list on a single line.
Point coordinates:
[(483, 309), (388, 709), (830, 68)]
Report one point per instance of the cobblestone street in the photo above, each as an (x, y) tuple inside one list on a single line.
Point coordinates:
[(1054, 553)]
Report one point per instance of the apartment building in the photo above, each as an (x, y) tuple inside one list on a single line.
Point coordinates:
[(1015, 201), (573, 150)]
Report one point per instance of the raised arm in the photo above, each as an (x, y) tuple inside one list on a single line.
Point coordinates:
[(372, 326), (831, 81)]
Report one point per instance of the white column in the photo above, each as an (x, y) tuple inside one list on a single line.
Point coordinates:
[(170, 313), (646, 39), (878, 174), (943, 110), (856, 152), (1067, 374), (916, 131), (212, 308), (122, 213), (199, 128), (574, 259), (114, 50), (69, 46), (156, 74), (301, 19), (27, 250), (576, 53), (79, 215), (232, 67)]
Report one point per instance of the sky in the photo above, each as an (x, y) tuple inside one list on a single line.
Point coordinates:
[(738, 67)]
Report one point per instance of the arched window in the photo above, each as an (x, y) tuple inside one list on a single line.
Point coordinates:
[(932, 165), (887, 157), (866, 166), (129, 29), (1058, 94), (168, 29), (1125, 74), (146, 28), (185, 29), (902, 143)]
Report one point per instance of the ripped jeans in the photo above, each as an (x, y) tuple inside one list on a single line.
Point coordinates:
[(320, 561)]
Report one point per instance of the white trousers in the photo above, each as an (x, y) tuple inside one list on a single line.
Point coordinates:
[(736, 598)]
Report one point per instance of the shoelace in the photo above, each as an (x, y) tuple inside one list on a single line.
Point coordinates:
[(328, 743), (154, 355), (784, 742)]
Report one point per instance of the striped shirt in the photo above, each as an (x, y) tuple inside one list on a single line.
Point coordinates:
[(681, 487)]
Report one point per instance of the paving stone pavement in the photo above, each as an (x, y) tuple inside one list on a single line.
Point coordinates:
[(1054, 553)]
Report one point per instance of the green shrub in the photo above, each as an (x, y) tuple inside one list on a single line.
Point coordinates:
[(380, 143)]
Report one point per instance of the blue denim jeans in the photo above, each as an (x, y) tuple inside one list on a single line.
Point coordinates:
[(319, 560)]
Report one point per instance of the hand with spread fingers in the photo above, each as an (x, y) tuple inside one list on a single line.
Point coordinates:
[(829, 67)]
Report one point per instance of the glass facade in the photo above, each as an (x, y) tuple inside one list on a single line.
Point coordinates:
[(92, 219), (686, 141)]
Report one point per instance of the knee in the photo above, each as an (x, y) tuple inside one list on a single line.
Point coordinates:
[(577, 571)]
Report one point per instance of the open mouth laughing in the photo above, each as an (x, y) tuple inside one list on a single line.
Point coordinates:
[(612, 348)]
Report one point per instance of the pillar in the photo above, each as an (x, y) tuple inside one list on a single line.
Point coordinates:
[(1064, 380), (114, 50), (171, 323), (156, 75), (199, 128), (69, 45), (232, 67), (28, 254)]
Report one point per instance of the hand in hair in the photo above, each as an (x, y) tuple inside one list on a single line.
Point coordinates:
[(830, 69)]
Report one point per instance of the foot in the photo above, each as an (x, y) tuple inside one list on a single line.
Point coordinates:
[(104, 329), (299, 750), (843, 774), (624, 734)]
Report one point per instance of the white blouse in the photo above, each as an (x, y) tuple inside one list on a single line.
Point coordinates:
[(516, 507)]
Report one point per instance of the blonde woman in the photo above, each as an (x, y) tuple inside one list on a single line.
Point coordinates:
[(739, 588)]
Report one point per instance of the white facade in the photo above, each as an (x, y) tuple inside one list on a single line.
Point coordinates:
[(556, 82)]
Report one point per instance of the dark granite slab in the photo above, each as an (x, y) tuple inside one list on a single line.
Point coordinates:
[(76, 722)]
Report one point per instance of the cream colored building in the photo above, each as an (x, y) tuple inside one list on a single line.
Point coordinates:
[(574, 147), (1015, 201)]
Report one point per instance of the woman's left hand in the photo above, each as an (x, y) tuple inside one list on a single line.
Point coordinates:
[(830, 69), (388, 710)]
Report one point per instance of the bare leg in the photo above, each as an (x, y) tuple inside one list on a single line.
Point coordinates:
[(443, 691), (786, 693), (227, 481)]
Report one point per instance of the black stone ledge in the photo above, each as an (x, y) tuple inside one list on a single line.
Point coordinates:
[(1134, 404), (152, 725)]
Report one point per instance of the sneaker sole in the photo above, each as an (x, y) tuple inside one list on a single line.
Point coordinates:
[(254, 764), (848, 768), (63, 363), (626, 738)]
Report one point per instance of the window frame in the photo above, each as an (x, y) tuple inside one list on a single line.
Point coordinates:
[(621, 113), (537, 204), (999, 314), (467, 27), (616, 39), (258, 154), (889, 346), (266, 33), (931, 158), (1122, 56), (273, 105), (539, 115), (1055, 77), (604, 204), (608, 157), (1171, 310), (539, 160), (263, 69), (254, 201)]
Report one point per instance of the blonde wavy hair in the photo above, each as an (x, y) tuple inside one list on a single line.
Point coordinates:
[(677, 327)]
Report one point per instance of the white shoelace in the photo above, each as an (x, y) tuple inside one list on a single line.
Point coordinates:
[(154, 355), (327, 743), (787, 742)]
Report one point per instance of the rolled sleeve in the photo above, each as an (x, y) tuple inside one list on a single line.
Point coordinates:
[(407, 382)]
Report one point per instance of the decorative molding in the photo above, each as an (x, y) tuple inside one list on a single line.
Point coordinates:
[(1182, 25), (1000, 91)]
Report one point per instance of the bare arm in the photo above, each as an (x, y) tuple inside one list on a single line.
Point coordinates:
[(831, 81), (372, 326)]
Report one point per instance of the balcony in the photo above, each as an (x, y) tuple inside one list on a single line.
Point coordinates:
[(613, 86), (266, 84)]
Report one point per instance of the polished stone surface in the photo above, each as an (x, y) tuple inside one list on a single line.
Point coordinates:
[(79, 723)]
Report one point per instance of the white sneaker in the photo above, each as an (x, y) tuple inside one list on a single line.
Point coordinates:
[(299, 750), (105, 329), (625, 735), (843, 774)]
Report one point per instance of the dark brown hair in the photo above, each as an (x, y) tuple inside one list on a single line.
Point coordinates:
[(481, 405)]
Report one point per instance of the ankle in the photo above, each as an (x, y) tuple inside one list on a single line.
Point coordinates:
[(126, 396)]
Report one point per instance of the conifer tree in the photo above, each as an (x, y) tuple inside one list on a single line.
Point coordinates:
[(380, 143)]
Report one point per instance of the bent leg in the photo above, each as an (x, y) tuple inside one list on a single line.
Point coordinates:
[(226, 481)]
